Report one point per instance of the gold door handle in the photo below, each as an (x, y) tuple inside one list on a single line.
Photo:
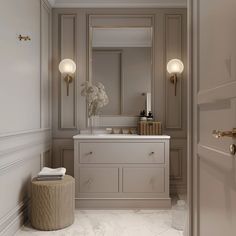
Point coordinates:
[(221, 134)]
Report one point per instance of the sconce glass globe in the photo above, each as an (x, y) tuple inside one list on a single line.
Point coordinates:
[(67, 66), (175, 66)]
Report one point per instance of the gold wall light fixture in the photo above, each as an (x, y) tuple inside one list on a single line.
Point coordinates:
[(67, 67), (25, 38), (175, 67)]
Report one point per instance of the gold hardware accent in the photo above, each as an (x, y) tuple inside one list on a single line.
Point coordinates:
[(220, 134), (25, 38), (68, 79), (174, 80), (232, 149)]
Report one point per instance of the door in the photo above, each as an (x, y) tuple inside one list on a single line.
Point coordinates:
[(214, 69)]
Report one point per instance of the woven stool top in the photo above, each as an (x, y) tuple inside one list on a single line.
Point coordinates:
[(67, 179)]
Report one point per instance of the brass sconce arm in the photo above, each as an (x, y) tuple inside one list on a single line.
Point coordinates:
[(174, 80), (68, 79)]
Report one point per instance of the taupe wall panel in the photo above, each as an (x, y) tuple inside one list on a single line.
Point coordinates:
[(20, 67), (45, 66), (63, 154), (178, 165), (170, 41), (67, 49), (25, 92), (173, 47)]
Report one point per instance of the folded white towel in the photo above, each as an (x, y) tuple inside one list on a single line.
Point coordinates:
[(52, 172)]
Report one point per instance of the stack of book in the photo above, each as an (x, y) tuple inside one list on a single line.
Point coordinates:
[(51, 174)]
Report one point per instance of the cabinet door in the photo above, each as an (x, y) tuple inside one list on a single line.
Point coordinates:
[(143, 180), (98, 180)]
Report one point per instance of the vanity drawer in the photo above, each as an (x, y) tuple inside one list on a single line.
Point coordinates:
[(143, 180), (98, 180), (141, 153)]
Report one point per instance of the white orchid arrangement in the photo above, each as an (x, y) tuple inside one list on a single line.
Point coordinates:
[(96, 97)]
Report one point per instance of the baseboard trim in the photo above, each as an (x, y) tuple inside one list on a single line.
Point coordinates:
[(10, 223), (164, 203)]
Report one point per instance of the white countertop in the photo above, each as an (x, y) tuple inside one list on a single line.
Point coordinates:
[(120, 136)]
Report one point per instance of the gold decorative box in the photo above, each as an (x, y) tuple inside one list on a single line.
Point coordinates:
[(149, 128)]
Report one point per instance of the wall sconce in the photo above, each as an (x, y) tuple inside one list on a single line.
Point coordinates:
[(67, 67), (175, 67)]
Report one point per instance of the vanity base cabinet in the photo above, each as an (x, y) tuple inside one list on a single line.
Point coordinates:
[(115, 172)]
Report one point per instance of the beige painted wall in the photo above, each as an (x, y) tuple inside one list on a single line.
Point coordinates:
[(69, 113), (25, 102)]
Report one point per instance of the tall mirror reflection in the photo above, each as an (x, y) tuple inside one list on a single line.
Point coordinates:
[(122, 62)]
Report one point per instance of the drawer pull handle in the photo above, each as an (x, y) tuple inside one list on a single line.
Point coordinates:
[(152, 153), (89, 153)]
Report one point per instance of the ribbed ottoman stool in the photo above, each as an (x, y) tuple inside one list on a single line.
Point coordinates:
[(52, 203)]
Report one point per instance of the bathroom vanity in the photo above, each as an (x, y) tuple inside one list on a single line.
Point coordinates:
[(121, 171)]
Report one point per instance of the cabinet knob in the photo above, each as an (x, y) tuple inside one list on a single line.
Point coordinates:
[(89, 153), (152, 153)]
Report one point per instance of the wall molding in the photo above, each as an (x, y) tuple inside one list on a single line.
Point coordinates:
[(62, 150), (14, 217), (48, 3), (66, 52), (170, 55), (217, 93), (2, 136), (42, 157), (24, 140), (127, 4), (4, 168), (52, 2), (178, 183), (180, 151), (180, 188), (46, 6), (63, 154), (145, 20)]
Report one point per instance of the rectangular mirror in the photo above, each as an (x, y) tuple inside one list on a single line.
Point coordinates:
[(121, 59)]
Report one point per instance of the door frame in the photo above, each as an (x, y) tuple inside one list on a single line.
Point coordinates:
[(193, 72), (192, 47)]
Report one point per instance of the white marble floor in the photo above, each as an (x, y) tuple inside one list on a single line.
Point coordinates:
[(114, 223)]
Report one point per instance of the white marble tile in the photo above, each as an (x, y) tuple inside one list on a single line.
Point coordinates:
[(114, 223)]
